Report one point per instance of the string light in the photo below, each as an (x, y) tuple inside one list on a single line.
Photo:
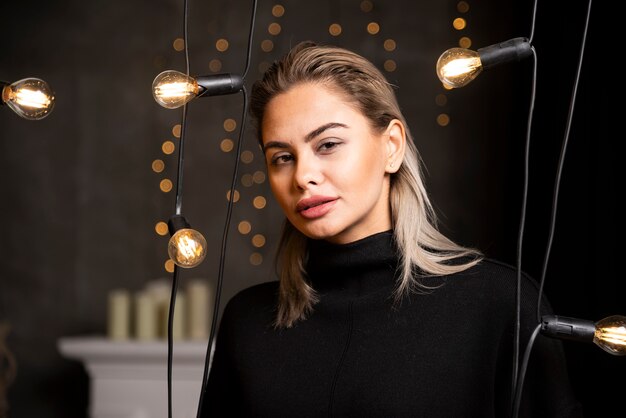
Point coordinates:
[(172, 89), (30, 98), (186, 247), (457, 67), (609, 333)]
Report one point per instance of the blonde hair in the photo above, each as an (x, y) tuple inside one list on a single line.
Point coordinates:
[(423, 249)]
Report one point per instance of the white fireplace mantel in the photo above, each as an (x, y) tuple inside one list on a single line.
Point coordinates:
[(128, 379)]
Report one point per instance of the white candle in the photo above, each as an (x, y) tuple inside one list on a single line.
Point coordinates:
[(119, 314), (146, 322), (161, 290), (198, 295)]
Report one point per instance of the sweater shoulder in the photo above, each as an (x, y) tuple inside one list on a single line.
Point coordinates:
[(501, 280), (253, 302), (493, 269), (261, 293)]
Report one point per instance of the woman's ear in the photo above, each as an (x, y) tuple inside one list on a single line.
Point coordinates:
[(396, 143)]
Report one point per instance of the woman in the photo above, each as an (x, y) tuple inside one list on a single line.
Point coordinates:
[(375, 313)]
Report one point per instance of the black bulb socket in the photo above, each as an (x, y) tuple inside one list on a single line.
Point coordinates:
[(176, 223), (3, 99), (512, 50), (219, 84), (565, 328)]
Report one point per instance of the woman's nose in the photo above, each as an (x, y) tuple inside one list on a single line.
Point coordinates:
[(307, 172)]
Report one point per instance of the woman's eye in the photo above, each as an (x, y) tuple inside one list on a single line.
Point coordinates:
[(328, 145), (281, 159)]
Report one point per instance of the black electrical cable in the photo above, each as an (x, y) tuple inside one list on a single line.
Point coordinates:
[(170, 342), (523, 212), (231, 200), (557, 181), (178, 210), (522, 225), (179, 174), (533, 23), (519, 373), (218, 290), (250, 35), (520, 383)]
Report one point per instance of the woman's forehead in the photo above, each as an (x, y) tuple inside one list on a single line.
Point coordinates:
[(305, 108)]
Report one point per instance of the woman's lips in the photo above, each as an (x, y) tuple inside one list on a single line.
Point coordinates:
[(315, 207)]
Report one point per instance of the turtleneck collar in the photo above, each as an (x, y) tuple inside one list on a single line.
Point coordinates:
[(357, 268)]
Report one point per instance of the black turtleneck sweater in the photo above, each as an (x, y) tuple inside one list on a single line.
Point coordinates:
[(447, 353)]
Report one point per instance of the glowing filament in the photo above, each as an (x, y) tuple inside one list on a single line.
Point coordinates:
[(460, 66), (612, 335), (176, 90), (188, 248)]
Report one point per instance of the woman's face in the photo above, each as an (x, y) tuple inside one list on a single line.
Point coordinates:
[(327, 167)]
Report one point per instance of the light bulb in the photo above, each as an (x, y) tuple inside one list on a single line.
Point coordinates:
[(172, 89), (609, 333), (457, 67), (31, 98), (186, 247)]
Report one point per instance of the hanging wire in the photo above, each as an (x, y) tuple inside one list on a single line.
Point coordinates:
[(522, 224), (218, 290), (520, 236), (181, 144), (520, 384), (519, 376), (170, 342), (557, 181), (250, 35), (229, 210), (533, 23), (178, 209)]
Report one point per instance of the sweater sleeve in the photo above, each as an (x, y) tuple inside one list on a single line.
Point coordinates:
[(245, 316), (220, 394)]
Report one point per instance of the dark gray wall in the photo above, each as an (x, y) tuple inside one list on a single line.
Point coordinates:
[(80, 200)]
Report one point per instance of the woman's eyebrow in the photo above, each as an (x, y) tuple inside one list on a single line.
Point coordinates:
[(275, 144), (321, 129), (309, 137)]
